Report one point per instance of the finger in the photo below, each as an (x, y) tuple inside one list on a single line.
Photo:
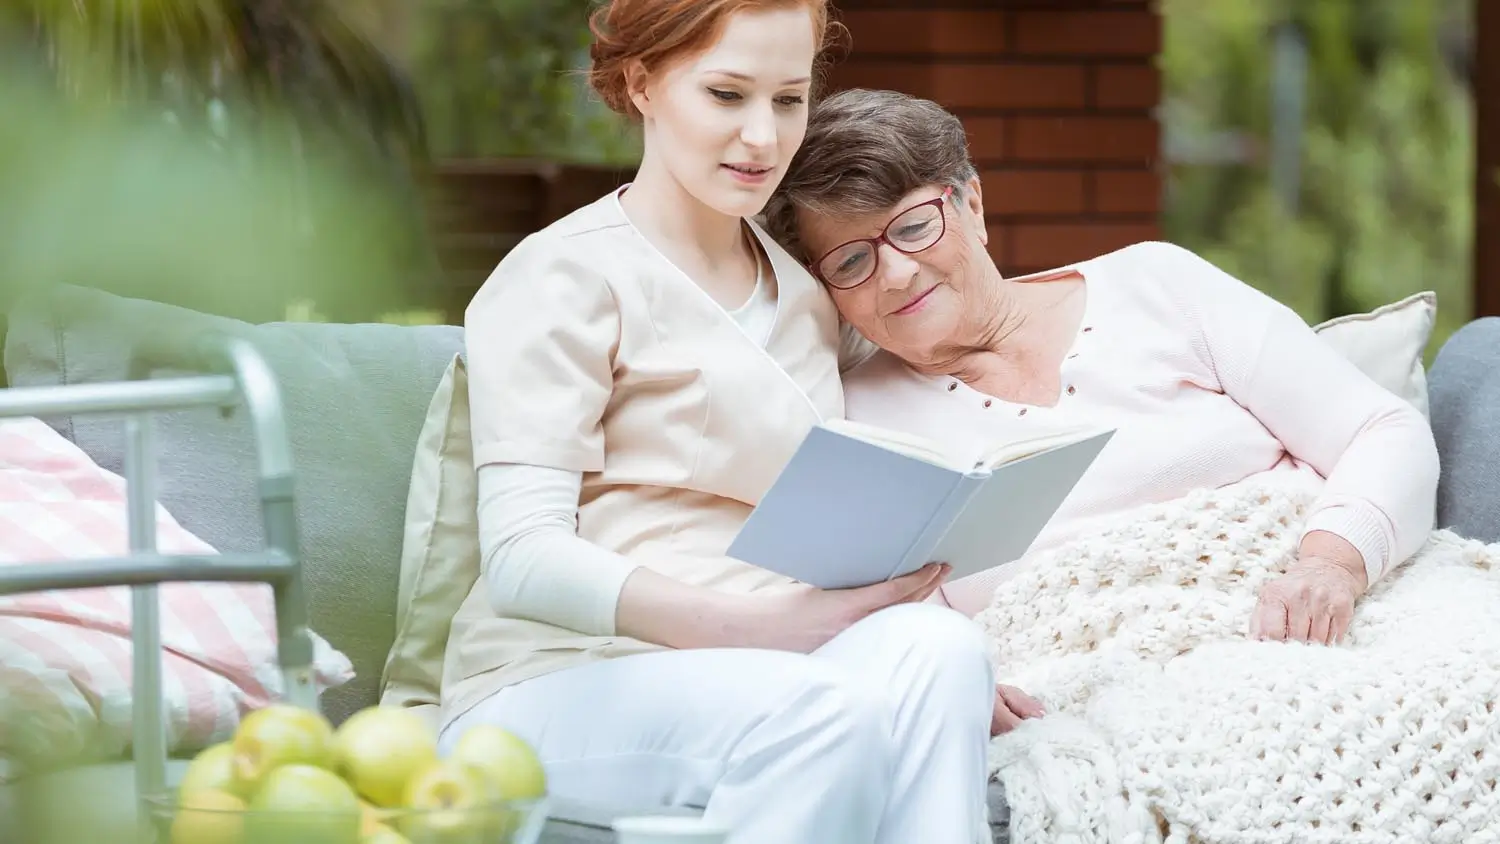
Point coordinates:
[(1021, 703), (899, 587), (1270, 618), (922, 588), (1004, 720), (916, 586), (1320, 624), (1298, 619), (922, 595), (1339, 621)]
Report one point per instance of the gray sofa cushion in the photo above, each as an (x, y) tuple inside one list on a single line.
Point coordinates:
[(1464, 391), (355, 397)]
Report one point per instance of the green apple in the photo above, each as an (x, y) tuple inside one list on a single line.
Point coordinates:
[(304, 804), (378, 749), (208, 816), (278, 735), (449, 802), (383, 834), (505, 758), (210, 770), (372, 818)]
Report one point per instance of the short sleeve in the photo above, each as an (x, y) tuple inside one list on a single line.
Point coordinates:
[(540, 337)]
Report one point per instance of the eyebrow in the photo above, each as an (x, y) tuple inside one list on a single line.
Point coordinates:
[(734, 74)]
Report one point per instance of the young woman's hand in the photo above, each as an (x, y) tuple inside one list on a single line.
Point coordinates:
[(1012, 706), (805, 619), (656, 608)]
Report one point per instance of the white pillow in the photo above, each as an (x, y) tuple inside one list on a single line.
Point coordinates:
[(1388, 343)]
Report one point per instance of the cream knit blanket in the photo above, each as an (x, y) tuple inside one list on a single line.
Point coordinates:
[(1167, 724)]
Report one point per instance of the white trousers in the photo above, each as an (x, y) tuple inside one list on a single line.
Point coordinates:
[(880, 736)]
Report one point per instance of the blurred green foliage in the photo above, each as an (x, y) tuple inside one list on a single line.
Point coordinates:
[(126, 202), (507, 78), (1385, 205), (224, 155)]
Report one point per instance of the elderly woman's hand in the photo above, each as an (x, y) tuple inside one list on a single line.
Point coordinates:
[(1314, 601)]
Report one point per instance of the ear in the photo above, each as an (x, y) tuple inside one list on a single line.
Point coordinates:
[(636, 83), (973, 202), (974, 196)]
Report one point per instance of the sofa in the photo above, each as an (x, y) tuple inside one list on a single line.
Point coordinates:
[(356, 397)]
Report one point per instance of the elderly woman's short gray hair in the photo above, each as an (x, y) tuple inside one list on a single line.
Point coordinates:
[(864, 151)]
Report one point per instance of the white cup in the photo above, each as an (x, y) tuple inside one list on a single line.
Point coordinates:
[(668, 829)]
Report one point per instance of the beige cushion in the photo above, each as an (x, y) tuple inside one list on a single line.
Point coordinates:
[(440, 552), (1388, 343)]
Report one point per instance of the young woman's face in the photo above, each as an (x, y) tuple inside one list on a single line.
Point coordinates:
[(725, 123)]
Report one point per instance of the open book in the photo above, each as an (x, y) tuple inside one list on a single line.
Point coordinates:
[(859, 504)]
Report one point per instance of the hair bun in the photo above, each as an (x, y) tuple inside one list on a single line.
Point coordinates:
[(607, 56)]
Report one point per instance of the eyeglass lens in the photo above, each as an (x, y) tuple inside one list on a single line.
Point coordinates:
[(914, 230)]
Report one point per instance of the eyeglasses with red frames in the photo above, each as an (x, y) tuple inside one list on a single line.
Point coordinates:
[(919, 227)]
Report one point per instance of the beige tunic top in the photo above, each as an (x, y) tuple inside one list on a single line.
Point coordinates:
[(589, 351)]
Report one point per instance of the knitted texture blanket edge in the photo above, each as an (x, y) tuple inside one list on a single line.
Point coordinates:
[(1168, 724)]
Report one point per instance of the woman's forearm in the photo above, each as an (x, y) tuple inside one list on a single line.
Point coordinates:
[(1375, 450), (658, 609), (1381, 493), (535, 564), (537, 567)]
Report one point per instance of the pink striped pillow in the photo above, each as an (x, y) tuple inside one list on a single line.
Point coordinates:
[(65, 656)]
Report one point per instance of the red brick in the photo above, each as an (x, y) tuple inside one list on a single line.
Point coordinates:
[(1033, 192), (1010, 86), (1127, 86), (959, 86), (1087, 139), (924, 32), (1112, 32), (986, 139), (907, 77), (1046, 245), (1127, 192)]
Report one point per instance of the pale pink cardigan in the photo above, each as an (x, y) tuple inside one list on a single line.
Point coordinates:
[(1210, 383)]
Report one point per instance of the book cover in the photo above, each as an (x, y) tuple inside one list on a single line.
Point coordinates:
[(853, 507)]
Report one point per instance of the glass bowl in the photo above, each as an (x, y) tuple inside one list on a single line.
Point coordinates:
[(508, 822)]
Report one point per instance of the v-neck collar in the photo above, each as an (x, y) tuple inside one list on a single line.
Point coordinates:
[(788, 286)]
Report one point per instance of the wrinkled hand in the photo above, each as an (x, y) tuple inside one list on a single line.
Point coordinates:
[(1012, 706), (1313, 602)]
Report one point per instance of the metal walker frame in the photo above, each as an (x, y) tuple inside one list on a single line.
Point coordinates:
[(231, 373)]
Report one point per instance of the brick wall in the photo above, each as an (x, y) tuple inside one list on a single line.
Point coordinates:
[(1058, 98)]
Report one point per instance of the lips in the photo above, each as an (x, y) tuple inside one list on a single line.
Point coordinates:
[(915, 303), (749, 169)]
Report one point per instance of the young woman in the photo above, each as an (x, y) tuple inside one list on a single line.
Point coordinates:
[(639, 373)]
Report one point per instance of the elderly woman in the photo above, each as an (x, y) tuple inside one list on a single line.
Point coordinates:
[(1208, 381)]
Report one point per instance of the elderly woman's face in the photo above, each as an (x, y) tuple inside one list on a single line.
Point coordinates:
[(923, 281)]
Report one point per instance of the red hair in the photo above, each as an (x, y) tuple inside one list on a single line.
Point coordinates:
[(657, 32)]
